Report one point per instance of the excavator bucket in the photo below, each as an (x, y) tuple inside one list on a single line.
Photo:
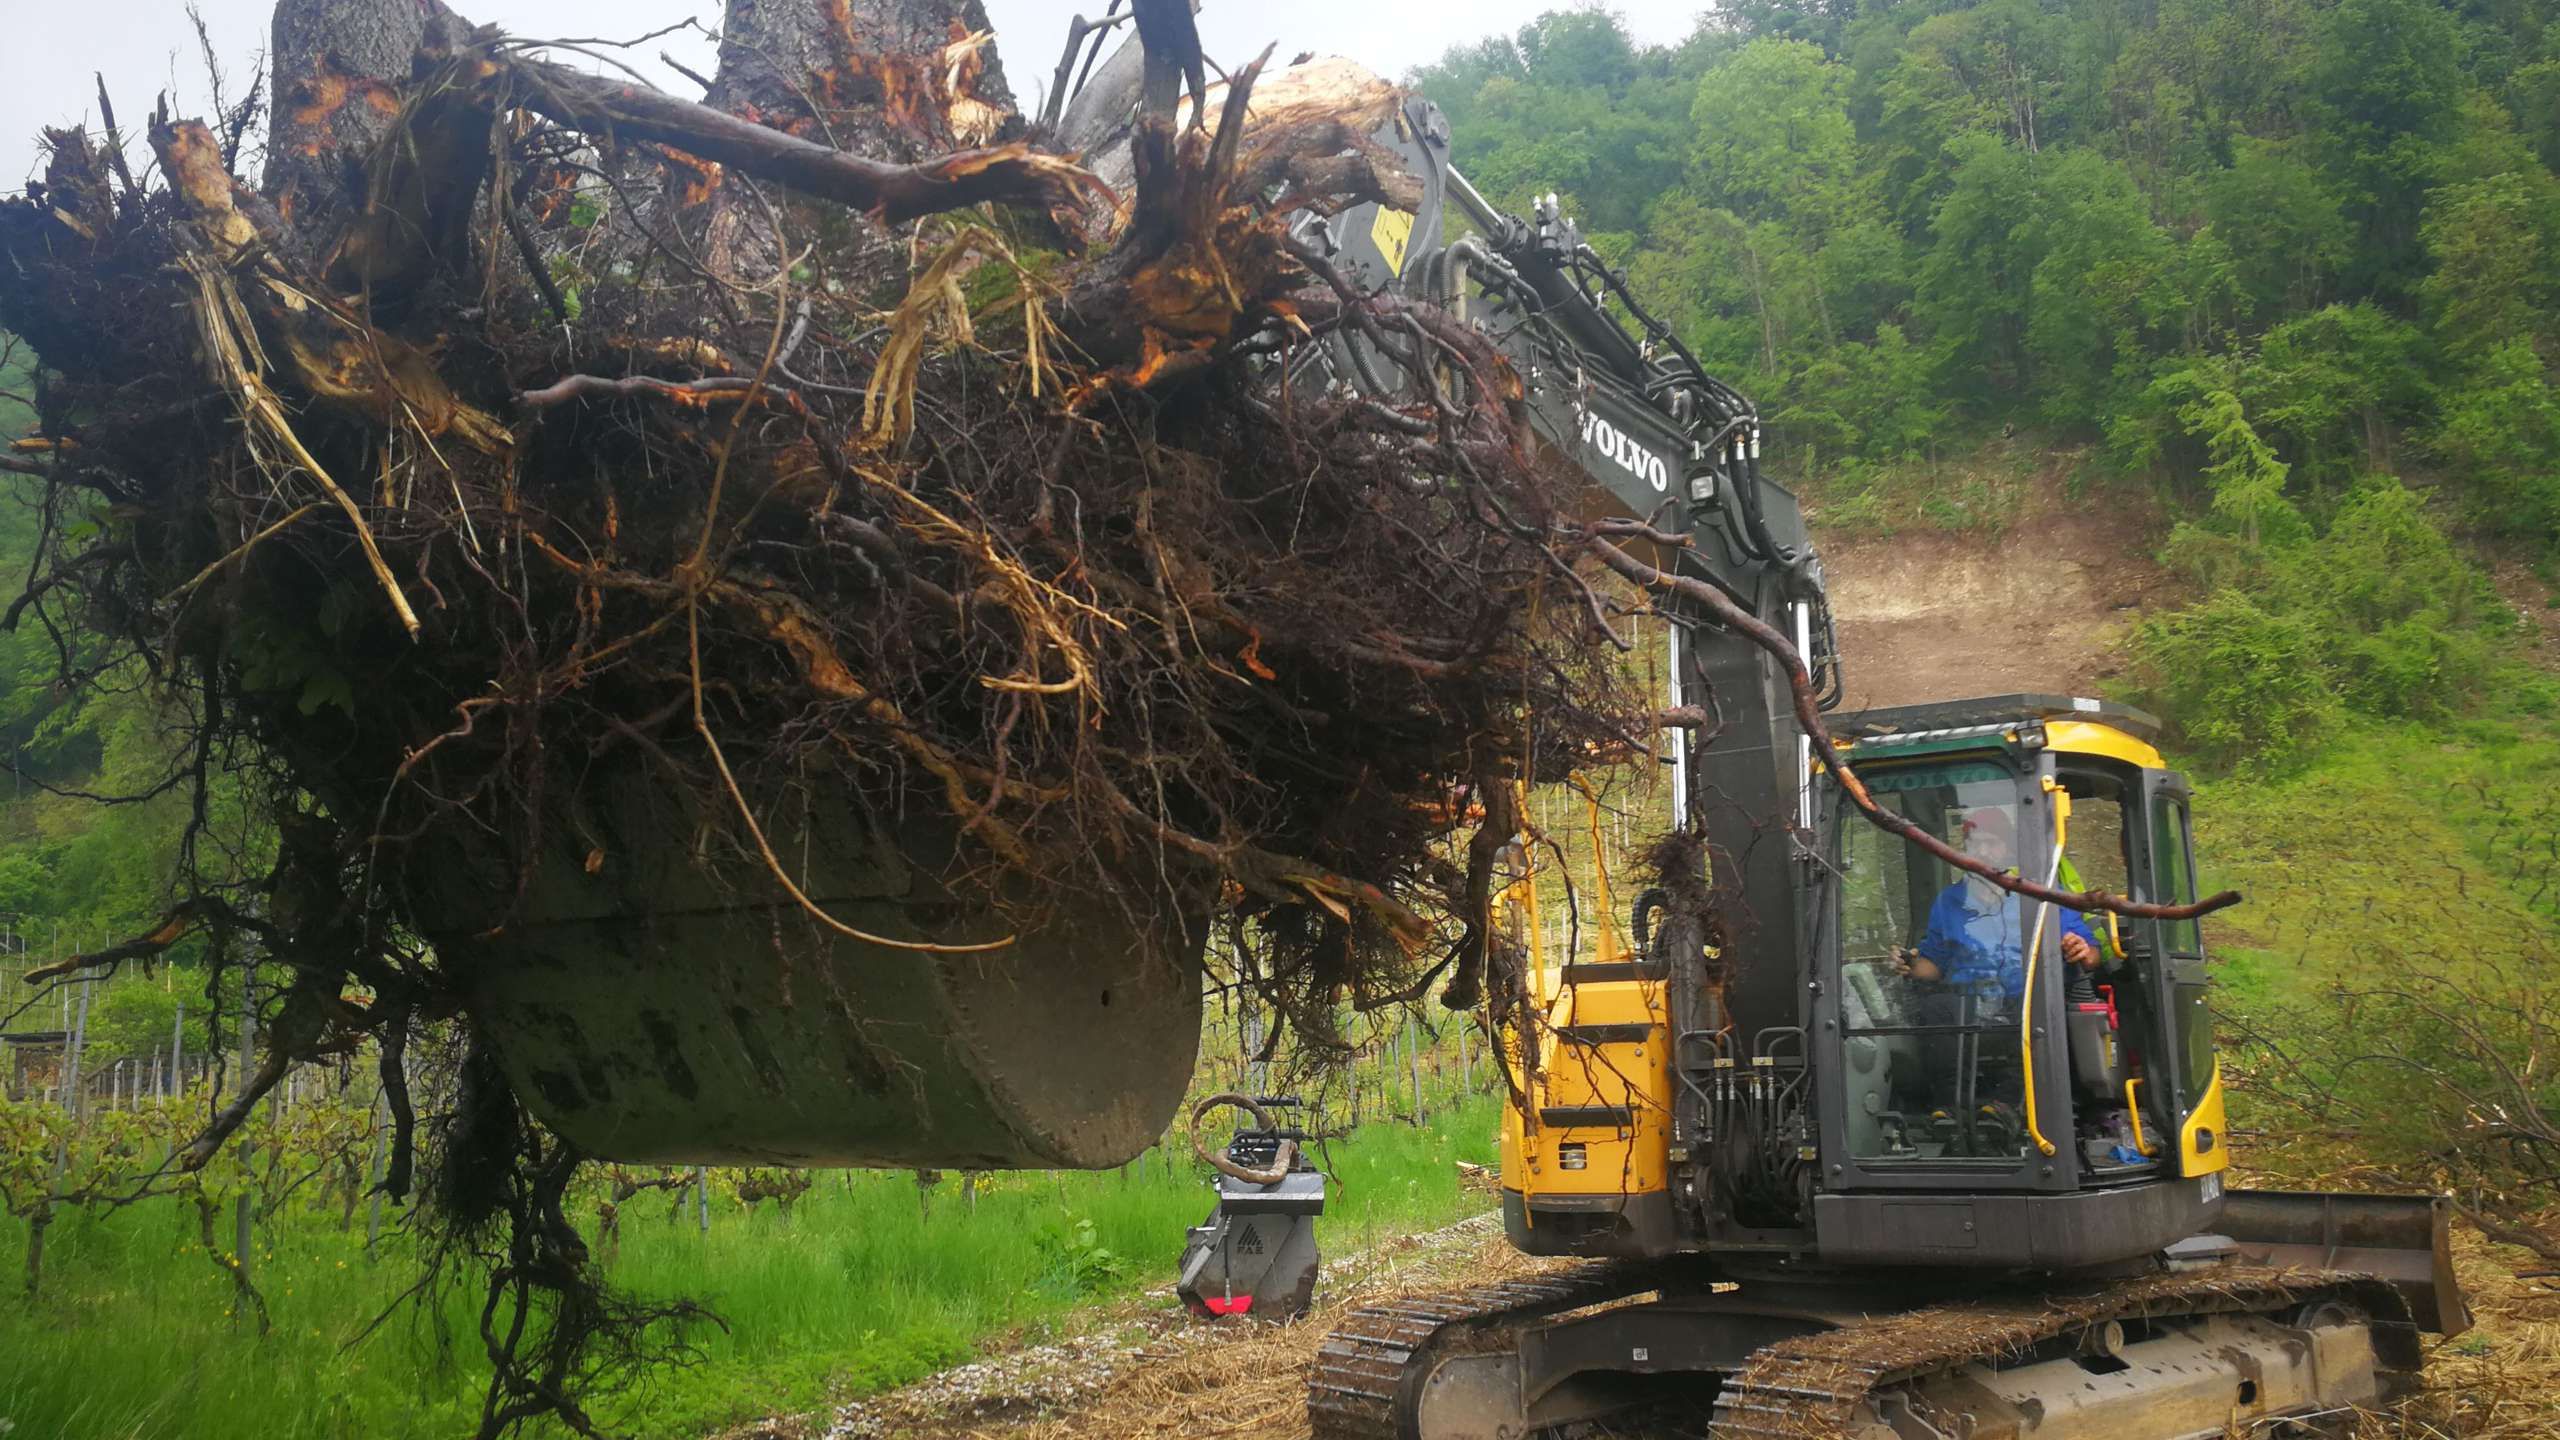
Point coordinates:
[(656, 1006), (2404, 1240)]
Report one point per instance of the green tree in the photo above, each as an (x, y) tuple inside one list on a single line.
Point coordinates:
[(2244, 686), (1871, 399), (1772, 138), (1974, 285), (2100, 269), (2410, 626), (2385, 91), (2331, 384), (2492, 274), (2500, 428), (2288, 234), (2246, 477)]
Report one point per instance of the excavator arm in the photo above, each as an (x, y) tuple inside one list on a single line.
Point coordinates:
[(1613, 392)]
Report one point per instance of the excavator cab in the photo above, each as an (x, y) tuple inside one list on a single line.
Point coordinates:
[(1943, 1073), (2000, 1049)]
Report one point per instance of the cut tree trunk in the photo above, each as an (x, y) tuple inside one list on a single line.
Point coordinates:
[(895, 79), (339, 66), (898, 81)]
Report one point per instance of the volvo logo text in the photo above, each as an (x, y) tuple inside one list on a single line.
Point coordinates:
[(1632, 457)]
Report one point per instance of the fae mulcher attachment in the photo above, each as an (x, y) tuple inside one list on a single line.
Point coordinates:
[(1256, 1253)]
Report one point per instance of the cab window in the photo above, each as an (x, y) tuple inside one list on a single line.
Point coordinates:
[(1932, 969), (2174, 863), (2176, 876)]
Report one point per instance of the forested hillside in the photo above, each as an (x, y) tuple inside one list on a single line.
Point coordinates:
[(2289, 261), (2270, 283)]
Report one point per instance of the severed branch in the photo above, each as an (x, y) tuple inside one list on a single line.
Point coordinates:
[(1003, 174), (693, 392), (1171, 40), (1597, 539), (1078, 30), (173, 927)]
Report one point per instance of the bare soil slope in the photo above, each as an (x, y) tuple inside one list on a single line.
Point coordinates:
[(2040, 606)]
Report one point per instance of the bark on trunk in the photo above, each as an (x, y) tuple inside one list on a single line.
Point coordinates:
[(339, 69), (893, 79)]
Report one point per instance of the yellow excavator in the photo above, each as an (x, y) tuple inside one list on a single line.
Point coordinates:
[(1921, 1173), (1847, 1141)]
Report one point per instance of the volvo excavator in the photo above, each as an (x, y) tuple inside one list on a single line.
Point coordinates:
[(1886, 1154), (1875, 1154)]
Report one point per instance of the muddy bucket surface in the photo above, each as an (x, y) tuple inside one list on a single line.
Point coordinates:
[(656, 1010)]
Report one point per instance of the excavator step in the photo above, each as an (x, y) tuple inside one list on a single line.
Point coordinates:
[(1632, 1034), (1613, 971), (1587, 1117)]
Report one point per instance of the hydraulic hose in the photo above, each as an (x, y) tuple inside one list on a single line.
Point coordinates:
[(1280, 1162)]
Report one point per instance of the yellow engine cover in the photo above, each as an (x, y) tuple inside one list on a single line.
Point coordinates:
[(1601, 1094)]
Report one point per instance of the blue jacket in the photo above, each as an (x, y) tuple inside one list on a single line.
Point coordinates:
[(1978, 949)]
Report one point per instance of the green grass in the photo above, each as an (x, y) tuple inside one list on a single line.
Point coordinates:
[(2397, 856), (860, 1291), (1977, 490), (2398, 846)]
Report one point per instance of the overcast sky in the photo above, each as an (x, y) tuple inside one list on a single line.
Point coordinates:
[(144, 46)]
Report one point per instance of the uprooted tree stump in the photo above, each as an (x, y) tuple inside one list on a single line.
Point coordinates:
[(572, 511)]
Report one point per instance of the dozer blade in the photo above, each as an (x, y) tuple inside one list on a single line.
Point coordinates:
[(2403, 1240), (655, 1006)]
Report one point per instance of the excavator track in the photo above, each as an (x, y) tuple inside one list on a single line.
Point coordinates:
[(1819, 1386), (1826, 1384), (1356, 1389)]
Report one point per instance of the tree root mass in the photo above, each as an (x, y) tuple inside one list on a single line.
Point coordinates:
[(529, 434)]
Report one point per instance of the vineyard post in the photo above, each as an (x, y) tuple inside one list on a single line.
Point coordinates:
[(373, 1169), (1413, 1064), (178, 1051), (1255, 1077), (1390, 1060), (68, 1071), (1466, 1062), (71, 1047), (702, 1199), (243, 1219)]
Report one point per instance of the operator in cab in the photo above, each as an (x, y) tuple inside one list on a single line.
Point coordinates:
[(1976, 938)]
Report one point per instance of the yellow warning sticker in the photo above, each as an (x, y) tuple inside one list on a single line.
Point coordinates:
[(1391, 232)]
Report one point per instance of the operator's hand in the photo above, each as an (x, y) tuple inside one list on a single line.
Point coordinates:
[(1911, 965), (2079, 952)]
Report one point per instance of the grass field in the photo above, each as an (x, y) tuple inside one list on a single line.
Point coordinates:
[(859, 1291), (2428, 845)]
